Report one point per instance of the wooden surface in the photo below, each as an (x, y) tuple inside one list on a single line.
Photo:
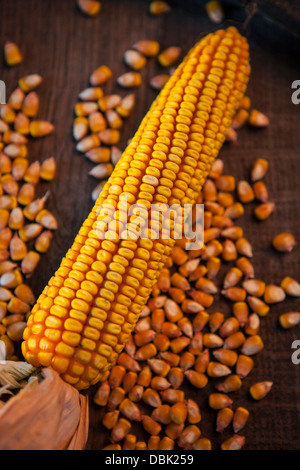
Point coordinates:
[(65, 47)]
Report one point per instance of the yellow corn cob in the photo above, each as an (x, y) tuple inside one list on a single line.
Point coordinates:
[(86, 313)]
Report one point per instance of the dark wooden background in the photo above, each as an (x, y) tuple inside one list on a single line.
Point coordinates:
[(64, 47)]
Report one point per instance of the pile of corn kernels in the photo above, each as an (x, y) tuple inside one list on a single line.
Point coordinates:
[(26, 226)]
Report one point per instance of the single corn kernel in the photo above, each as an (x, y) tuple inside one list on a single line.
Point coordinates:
[(15, 100), (30, 82), (244, 247), (202, 444), (226, 356), (284, 242), (103, 170), (241, 311), (235, 442), (151, 426), (193, 412), (252, 325), (100, 75), (42, 242), (252, 345), (110, 419), (258, 306), (226, 183), (89, 7), (254, 287), (91, 94), (162, 414), (259, 169), (40, 128), (258, 119), (169, 56), (120, 430), (159, 81), (245, 192), (290, 319), (166, 444), (240, 119), (31, 104), (232, 383), (234, 211), (46, 219), (245, 266), (232, 277), (224, 418), (197, 379), (215, 11), (263, 211), (274, 294), (260, 191), (12, 54), (109, 136), (29, 263), (157, 8), (218, 401), (17, 248), (130, 80), (244, 365), (189, 436), (259, 390), (134, 59), (147, 47), (240, 418), (48, 169), (214, 369)]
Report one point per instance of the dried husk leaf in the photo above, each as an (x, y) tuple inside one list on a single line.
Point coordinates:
[(45, 415), (12, 373)]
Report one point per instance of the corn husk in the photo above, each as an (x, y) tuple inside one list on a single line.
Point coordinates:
[(45, 414)]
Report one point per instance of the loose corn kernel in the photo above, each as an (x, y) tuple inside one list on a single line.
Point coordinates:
[(284, 242), (130, 80), (159, 7), (224, 418), (89, 7), (258, 119), (147, 47), (259, 390), (240, 418), (12, 54), (290, 319), (215, 11), (235, 442), (259, 169), (169, 56)]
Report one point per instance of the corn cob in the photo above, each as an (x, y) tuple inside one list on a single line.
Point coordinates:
[(86, 313)]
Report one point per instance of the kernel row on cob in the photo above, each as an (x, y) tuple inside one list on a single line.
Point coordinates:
[(26, 225), (181, 338), (85, 315)]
